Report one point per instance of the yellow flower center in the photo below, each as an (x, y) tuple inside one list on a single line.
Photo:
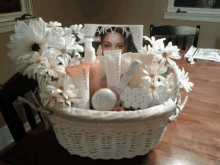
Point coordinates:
[(153, 87), (165, 55), (50, 25), (61, 88), (152, 75), (38, 61), (63, 51), (52, 67)]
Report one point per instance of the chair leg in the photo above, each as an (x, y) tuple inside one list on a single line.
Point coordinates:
[(30, 116), (40, 116), (13, 121)]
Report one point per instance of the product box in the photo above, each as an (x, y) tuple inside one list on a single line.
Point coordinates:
[(128, 38)]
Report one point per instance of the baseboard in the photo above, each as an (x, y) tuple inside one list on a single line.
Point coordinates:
[(5, 136)]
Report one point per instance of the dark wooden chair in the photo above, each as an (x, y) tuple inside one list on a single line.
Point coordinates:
[(40, 146), (17, 85), (176, 33)]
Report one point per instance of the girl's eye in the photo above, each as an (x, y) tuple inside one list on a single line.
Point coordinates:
[(120, 46), (106, 46)]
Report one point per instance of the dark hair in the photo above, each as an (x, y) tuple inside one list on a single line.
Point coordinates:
[(125, 32)]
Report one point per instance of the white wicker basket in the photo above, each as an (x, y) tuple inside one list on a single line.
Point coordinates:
[(115, 135)]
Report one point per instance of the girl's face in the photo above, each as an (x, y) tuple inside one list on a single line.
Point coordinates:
[(113, 41)]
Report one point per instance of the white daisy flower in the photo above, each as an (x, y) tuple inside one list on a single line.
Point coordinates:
[(166, 53), (78, 31), (68, 32), (163, 94), (169, 81), (62, 46), (25, 40), (35, 64), (75, 54), (58, 30), (36, 34), (65, 88), (152, 88), (23, 62), (154, 42), (153, 72), (64, 32), (43, 80), (29, 39), (68, 61), (69, 101), (50, 65), (65, 46), (78, 48), (48, 99), (184, 80), (146, 49), (51, 25)]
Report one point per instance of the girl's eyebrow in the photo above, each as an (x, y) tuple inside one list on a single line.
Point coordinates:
[(107, 42), (120, 43), (117, 43)]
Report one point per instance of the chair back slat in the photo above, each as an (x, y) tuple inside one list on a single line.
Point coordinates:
[(184, 43), (177, 39), (169, 39), (196, 36), (13, 121), (40, 116), (17, 85), (183, 31), (30, 116)]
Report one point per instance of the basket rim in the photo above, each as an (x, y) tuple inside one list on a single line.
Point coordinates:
[(87, 115)]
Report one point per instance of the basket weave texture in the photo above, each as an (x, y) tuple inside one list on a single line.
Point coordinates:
[(109, 134), (114, 140), (114, 135)]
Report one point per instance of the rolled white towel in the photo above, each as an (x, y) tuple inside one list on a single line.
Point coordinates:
[(135, 91), (131, 98), (139, 98), (123, 97), (143, 105), (135, 105), (148, 98), (127, 91), (127, 104), (144, 91)]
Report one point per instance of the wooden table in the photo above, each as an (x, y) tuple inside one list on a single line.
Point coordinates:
[(193, 138)]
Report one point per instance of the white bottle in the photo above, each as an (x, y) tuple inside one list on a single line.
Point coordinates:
[(89, 56), (95, 79)]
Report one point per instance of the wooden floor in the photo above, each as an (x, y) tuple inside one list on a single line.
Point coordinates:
[(192, 139)]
